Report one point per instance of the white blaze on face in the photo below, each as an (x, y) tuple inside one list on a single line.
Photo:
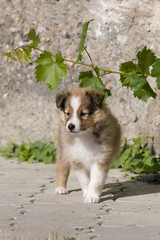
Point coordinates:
[(74, 120)]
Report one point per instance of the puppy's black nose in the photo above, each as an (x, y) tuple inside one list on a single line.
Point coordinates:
[(71, 127)]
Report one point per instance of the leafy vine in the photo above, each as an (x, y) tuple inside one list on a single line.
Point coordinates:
[(51, 68)]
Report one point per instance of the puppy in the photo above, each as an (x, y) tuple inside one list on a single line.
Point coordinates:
[(88, 141)]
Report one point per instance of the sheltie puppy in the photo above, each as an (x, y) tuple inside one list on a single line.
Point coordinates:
[(88, 141)]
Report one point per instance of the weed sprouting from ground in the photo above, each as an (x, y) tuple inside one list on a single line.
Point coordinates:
[(136, 158), (31, 151)]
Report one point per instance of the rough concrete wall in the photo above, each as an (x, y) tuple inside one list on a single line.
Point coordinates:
[(121, 28)]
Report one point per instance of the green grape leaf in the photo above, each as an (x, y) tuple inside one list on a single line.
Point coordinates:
[(50, 70), (156, 71), (7, 54), (22, 54), (145, 59), (97, 71), (125, 68), (82, 40), (107, 93), (35, 38), (141, 87), (128, 67), (45, 58), (88, 79), (131, 77), (27, 52), (10, 55), (102, 86)]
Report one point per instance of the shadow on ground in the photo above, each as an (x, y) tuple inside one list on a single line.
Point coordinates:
[(113, 191)]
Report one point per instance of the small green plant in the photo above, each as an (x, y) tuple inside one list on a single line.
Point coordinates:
[(51, 68), (31, 151), (136, 159)]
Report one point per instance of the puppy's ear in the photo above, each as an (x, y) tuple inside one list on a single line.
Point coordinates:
[(96, 96), (60, 99)]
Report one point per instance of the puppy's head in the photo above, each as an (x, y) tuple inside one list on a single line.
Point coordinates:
[(78, 108)]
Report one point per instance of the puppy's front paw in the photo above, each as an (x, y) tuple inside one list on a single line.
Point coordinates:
[(61, 191), (92, 199), (84, 193)]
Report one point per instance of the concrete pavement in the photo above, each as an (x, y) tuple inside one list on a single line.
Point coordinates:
[(29, 209)]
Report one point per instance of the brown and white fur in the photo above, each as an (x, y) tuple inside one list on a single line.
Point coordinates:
[(88, 141)]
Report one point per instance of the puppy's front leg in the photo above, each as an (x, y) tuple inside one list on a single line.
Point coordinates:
[(97, 178), (83, 178), (63, 169)]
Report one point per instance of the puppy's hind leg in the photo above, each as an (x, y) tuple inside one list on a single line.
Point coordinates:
[(63, 169)]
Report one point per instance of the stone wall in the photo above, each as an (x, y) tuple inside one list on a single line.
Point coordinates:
[(120, 29)]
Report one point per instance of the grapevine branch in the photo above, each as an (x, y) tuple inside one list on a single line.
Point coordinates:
[(106, 71), (50, 68)]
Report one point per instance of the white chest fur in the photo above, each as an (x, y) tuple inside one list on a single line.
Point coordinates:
[(86, 150)]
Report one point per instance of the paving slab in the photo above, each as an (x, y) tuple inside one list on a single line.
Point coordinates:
[(29, 209)]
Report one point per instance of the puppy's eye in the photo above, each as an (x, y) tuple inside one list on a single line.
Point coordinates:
[(83, 114), (67, 114)]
